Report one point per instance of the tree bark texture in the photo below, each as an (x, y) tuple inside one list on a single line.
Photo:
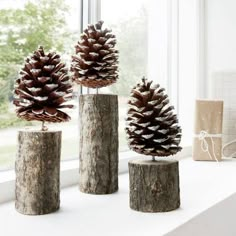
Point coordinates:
[(154, 185), (37, 170), (98, 153)]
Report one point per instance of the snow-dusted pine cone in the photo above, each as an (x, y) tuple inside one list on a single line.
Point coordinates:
[(42, 88), (95, 64), (152, 127)]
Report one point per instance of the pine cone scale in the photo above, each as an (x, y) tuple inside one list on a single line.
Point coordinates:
[(38, 110)]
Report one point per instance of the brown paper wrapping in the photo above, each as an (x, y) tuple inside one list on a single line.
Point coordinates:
[(208, 117)]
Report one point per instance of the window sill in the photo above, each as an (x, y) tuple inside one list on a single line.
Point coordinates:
[(69, 173), (207, 199)]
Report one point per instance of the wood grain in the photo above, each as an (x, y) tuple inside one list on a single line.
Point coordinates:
[(37, 170), (154, 185), (98, 155)]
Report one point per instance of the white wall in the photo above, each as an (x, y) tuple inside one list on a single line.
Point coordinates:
[(220, 45), (220, 37)]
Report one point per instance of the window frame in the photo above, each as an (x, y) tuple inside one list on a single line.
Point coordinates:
[(202, 85)]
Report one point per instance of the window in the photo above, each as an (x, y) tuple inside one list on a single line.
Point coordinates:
[(155, 39), (25, 24)]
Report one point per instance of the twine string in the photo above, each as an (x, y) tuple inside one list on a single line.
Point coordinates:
[(204, 144), (226, 145), (205, 147)]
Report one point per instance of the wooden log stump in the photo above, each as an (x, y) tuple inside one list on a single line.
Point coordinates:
[(98, 153), (37, 170), (154, 185)]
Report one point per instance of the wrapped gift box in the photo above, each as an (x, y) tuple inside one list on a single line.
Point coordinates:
[(207, 144)]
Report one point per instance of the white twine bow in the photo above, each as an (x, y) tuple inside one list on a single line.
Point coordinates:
[(204, 144)]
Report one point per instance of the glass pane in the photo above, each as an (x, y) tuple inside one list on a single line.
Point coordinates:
[(129, 22), (24, 25), (141, 30)]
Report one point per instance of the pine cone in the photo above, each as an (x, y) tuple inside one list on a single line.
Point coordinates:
[(152, 128), (95, 64), (42, 88)]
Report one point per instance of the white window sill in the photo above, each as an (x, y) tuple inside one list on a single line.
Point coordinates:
[(206, 209)]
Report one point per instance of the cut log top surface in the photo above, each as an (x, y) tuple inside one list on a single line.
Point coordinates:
[(38, 131), (150, 162), (98, 95)]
